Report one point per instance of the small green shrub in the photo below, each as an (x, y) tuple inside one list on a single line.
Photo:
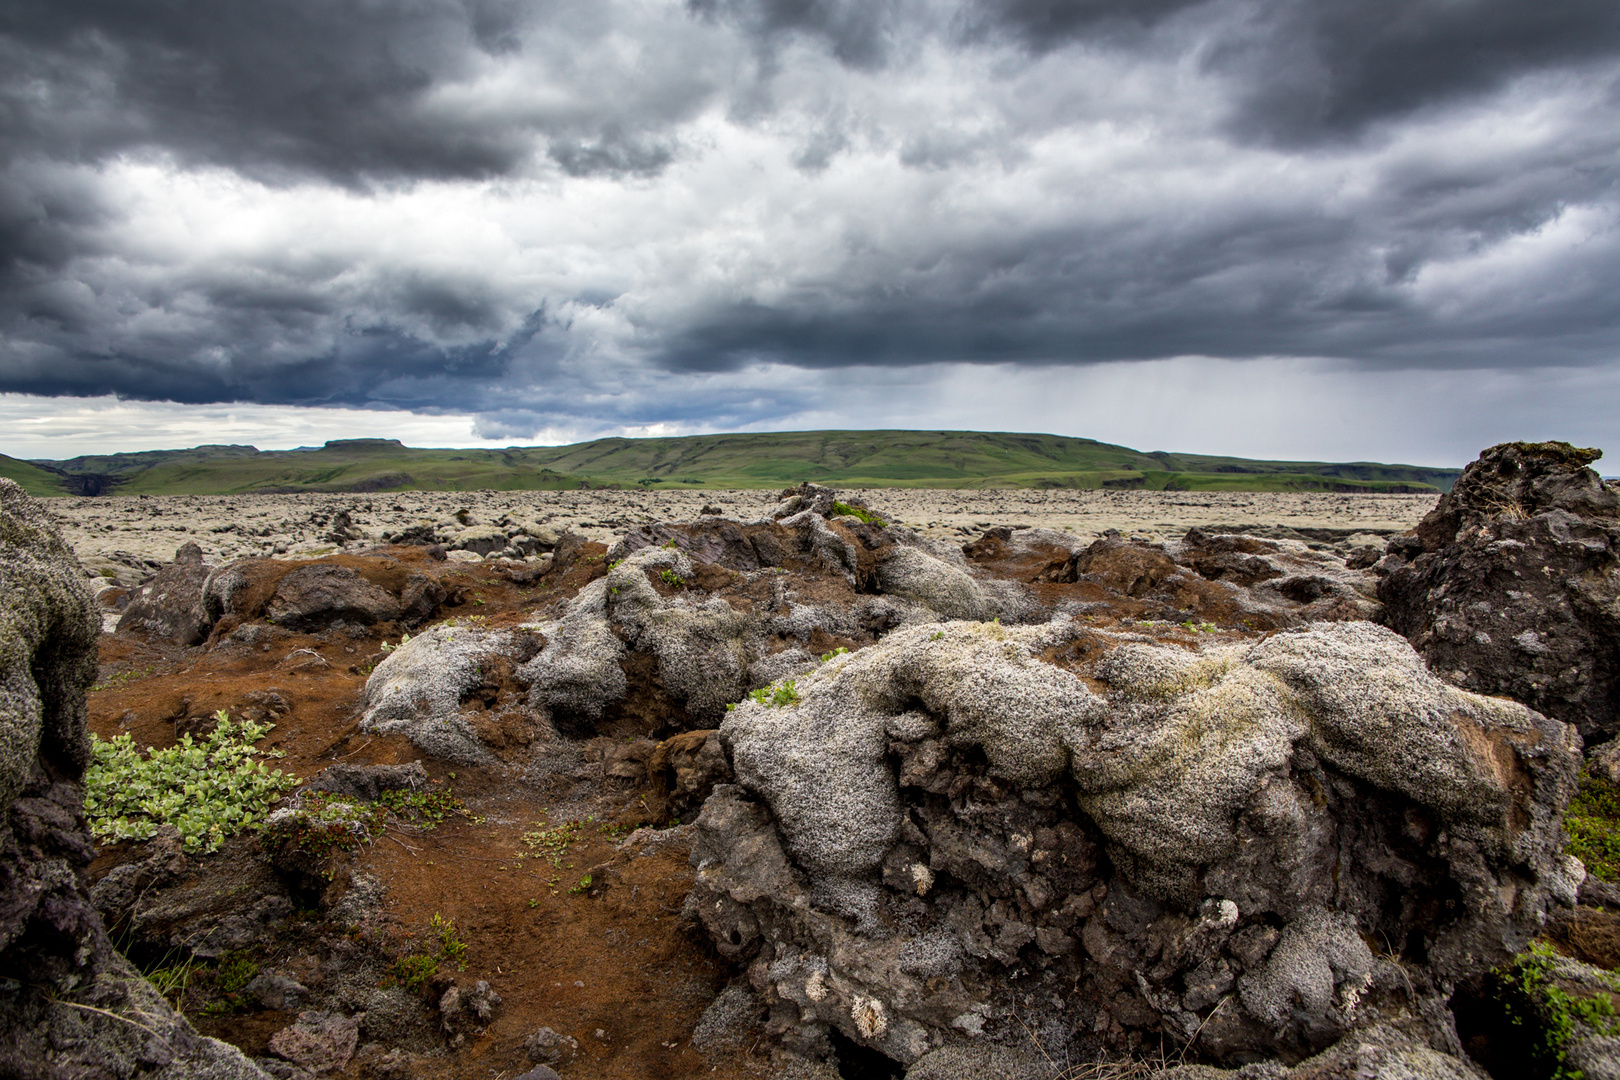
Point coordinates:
[(840, 651), (451, 948), (390, 648), (236, 970), (776, 695), (209, 790), (672, 578), (122, 678), (413, 972), (323, 822)]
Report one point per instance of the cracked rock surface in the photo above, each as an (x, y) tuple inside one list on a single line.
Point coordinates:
[(964, 830)]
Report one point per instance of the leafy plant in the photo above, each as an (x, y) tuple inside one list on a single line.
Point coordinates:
[(390, 648), (1548, 1015), (209, 790), (451, 947), (236, 970), (672, 578), (840, 651), (413, 972), (776, 694), (122, 678), (584, 883), (550, 844), (323, 822)]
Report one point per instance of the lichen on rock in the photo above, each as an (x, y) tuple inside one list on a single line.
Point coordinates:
[(947, 828)]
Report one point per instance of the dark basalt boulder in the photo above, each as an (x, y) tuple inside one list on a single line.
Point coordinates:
[(72, 1006), (1511, 584), (311, 596), (171, 604)]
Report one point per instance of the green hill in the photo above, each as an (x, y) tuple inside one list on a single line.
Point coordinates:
[(942, 459), (34, 479)]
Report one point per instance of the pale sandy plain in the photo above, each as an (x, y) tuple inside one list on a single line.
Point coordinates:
[(127, 536)]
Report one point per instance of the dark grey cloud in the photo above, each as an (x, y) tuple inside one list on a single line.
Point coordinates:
[(340, 88), (1323, 69), (526, 209), (859, 32), (1043, 25), (1327, 68)]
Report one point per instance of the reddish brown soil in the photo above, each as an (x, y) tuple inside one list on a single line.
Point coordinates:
[(613, 966)]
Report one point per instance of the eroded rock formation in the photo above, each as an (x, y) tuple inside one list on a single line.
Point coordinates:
[(70, 1005), (1511, 584), (968, 830)]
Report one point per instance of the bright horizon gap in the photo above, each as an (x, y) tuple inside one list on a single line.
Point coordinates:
[(1278, 409), (320, 438)]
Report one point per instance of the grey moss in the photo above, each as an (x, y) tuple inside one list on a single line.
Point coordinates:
[(913, 574), (48, 632), (418, 688)]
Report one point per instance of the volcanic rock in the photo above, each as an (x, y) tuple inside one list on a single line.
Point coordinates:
[(1511, 584), (435, 688), (320, 1041), (310, 596), (967, 828), (82, 1010), (170, 605)]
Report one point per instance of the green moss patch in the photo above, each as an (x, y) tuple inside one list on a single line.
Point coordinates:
[(1593, 824)]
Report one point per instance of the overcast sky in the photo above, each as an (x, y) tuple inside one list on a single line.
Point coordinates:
[(1376, 229)]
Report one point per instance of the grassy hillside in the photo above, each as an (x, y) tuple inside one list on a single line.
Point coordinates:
[(942, 459), (34, 480)]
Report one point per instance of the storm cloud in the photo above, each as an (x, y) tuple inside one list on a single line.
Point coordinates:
[(605, 214)]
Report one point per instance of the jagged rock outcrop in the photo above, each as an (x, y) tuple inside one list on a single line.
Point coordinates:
[(1381, 1050), (648, 642), (71, 1006), (970, 832), (1511, 584), (171, 604), (688, 617)]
